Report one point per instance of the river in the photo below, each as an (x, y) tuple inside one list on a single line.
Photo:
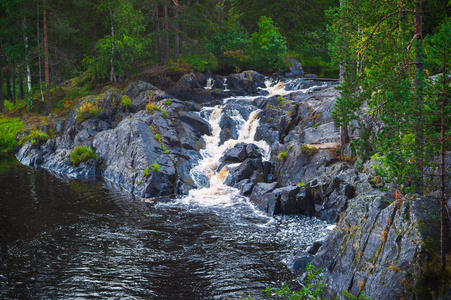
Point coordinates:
[(66, 239)]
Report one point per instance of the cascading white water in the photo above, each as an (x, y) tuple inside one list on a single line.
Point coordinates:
[(215, 192), (210, 82)]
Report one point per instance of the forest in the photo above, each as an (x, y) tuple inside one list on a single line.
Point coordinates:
[(390, 58)]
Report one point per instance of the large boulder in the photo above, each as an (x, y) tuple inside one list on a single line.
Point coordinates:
[(249, 82), (380, 245)]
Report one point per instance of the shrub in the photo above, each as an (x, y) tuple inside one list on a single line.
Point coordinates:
[(150, 107), (156, 167), (146, 171), (126, 101), (167, 103), (35, 136), (309, 151), (165, 114), (268, 46), (9, 129), (81, 154), (201, 62), (282, 155), (88, 110)]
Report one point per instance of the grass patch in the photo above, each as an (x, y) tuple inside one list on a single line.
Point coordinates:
[(309, 151), (146, 172), (126, 101), (167, 103), (282, 155), (34, 137), (156, 167), (88, 110), (150, 108), (81, 154), (9, 129), (160, 140)]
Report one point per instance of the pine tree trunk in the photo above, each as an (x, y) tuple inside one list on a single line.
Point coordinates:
[(25, 37), (176, 33), (442, 170), (9, 96), (39, 53), (21, 91), (47, 71), (14, 82), (157, 25), (112, 76), (166, 36), (2, 101), (344, 137), (419, 183)]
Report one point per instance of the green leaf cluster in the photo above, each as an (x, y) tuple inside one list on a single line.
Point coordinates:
[(9, 129)]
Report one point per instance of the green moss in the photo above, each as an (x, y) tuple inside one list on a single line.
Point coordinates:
[(81, 154), (35, 136), (309, 151), (156, 167), (146, 171), (282, 155)]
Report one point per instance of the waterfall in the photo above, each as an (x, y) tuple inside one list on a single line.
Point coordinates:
[(210, 82), (211, 189)]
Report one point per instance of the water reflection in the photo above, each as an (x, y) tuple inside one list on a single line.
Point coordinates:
[(66, 239)]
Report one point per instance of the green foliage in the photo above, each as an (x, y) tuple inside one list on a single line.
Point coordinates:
[(88, 109), (156, 167), (282, 155), (201, 62), (165, 114), (146, 172), (81, 154), (268, 46), (11, 108), (9, 129), (35, 136), (380, 74), (160, 140), (126, 101), (309, 151), (313, 289), (167, 103), (122, 47), (150, 107), (301, 184), (229, 46)]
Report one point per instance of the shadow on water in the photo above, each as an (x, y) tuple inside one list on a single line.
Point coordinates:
[(66, 239)]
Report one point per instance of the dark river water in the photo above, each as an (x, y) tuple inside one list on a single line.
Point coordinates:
[(66, 239)]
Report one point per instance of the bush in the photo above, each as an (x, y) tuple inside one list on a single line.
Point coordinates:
[(81, 154), (35, 136), (282, 155), (229, 47), (89, 109), (309, 151), (268, 46), (167, 103), (9, 129), (201, 62), (126, 101), (156, 167), (150, 107)]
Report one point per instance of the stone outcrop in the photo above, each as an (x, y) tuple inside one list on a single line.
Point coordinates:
[(381, 246)]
